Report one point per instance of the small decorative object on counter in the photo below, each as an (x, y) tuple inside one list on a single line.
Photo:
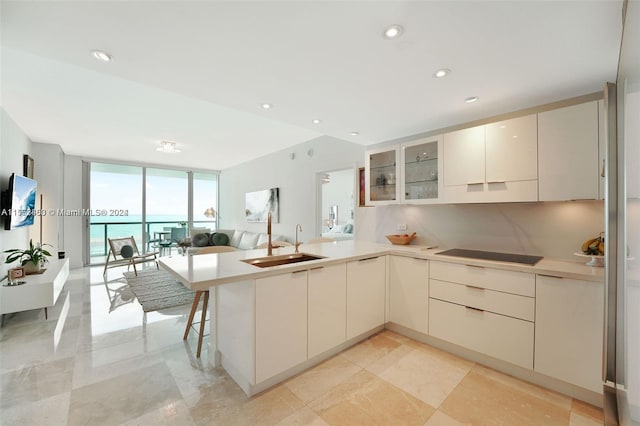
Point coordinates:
[(594, 249), (401, 239), (594, 246), (14, 274)]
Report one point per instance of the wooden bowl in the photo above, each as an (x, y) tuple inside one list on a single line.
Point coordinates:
[(401, 239)]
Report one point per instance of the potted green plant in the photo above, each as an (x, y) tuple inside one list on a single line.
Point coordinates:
[(30, 259)]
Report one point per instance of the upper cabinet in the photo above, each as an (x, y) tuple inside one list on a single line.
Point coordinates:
[(421, 163), (464, 161), (496, 162), (381, 176), (555, 155), (568, 153), (512, 150)]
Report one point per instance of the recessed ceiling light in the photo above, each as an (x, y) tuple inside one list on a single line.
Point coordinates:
[(393, 31), (168, 147), (316, 121), (443, 72), (471, 99), (101, 56), (266, 106), (354, 133)]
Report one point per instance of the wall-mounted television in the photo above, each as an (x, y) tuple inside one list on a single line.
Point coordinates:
[(19, 205)]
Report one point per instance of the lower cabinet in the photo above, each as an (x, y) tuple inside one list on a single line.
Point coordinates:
[(365, 295), (409, 292), (327, 305), (487, 310), (281, 323), (569, 330), (499, 336)]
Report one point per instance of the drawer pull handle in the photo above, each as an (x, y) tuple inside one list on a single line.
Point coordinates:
[(497, 181), (475, 183), (297, 272), (474, 287), (316, 268), (474, 309), (549, 276), (367, 258), (475, 266)]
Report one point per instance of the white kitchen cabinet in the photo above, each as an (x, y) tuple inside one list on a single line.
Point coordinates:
[(496, 162), (569, 330), (365, 295), (487, 310), (512, 151), (382, 174), (327, 305), (569, 167), (464, 157), (409, 292), (499, 336), (281, 323), (421, 163)]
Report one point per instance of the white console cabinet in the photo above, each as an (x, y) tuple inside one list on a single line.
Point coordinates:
[(39, 291)]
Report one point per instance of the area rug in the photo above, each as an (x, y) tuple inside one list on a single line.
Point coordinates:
[(157, 289)]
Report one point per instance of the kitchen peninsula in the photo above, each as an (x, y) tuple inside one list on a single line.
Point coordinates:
[(271, 323)]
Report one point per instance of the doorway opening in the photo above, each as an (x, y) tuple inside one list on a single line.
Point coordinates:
[(336, 207)]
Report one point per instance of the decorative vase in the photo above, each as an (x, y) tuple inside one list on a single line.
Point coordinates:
[(31, 268)]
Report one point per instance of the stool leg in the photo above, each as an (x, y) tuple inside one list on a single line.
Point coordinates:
[(202, 320), (194, 308)]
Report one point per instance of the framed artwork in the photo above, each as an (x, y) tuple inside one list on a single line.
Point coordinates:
[(27, 166), (258, 204)]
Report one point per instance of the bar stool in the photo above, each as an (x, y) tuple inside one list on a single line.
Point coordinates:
[(205, 303), (203, 318)]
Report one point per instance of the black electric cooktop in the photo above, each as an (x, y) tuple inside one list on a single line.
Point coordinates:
[(489, 255)]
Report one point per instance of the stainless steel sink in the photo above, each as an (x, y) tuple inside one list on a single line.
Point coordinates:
[(285, 259)]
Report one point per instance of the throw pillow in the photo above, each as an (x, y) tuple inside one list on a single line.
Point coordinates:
[(126, 251), (219, 239), (200, 240)]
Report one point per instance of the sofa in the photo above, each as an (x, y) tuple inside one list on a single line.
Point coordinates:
[(240, 239)]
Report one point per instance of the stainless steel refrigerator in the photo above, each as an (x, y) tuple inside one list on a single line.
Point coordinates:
[(622, 318)]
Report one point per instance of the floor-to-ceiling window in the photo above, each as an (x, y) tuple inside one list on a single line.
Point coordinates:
[(115, 205), (155, 205), (205, 200)]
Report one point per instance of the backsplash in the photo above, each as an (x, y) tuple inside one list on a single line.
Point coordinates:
[(554, 230)]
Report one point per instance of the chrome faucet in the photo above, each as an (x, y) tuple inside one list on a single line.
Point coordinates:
[(297, 244), (269, 246)]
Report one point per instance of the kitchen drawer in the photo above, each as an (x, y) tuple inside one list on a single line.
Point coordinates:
[(521, 283), (499, 336), (512, 305)]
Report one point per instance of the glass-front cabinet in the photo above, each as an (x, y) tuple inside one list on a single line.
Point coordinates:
[(381, 176), (421, 164)]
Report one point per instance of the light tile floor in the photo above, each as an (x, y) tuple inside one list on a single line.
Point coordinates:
[(99, 360)]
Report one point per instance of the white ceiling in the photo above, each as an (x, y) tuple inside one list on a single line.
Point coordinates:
[(196, 72)]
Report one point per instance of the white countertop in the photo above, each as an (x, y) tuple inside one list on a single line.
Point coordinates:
[(200, 272)]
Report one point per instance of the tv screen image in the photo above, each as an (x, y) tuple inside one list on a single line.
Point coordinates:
[(22, 193)]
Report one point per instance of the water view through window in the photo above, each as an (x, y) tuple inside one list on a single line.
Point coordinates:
[(117, 191)]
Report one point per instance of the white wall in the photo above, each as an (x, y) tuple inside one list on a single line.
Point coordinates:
[(296, 179), (13, 145), (339, 191), (554, 230), (48, 172)]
